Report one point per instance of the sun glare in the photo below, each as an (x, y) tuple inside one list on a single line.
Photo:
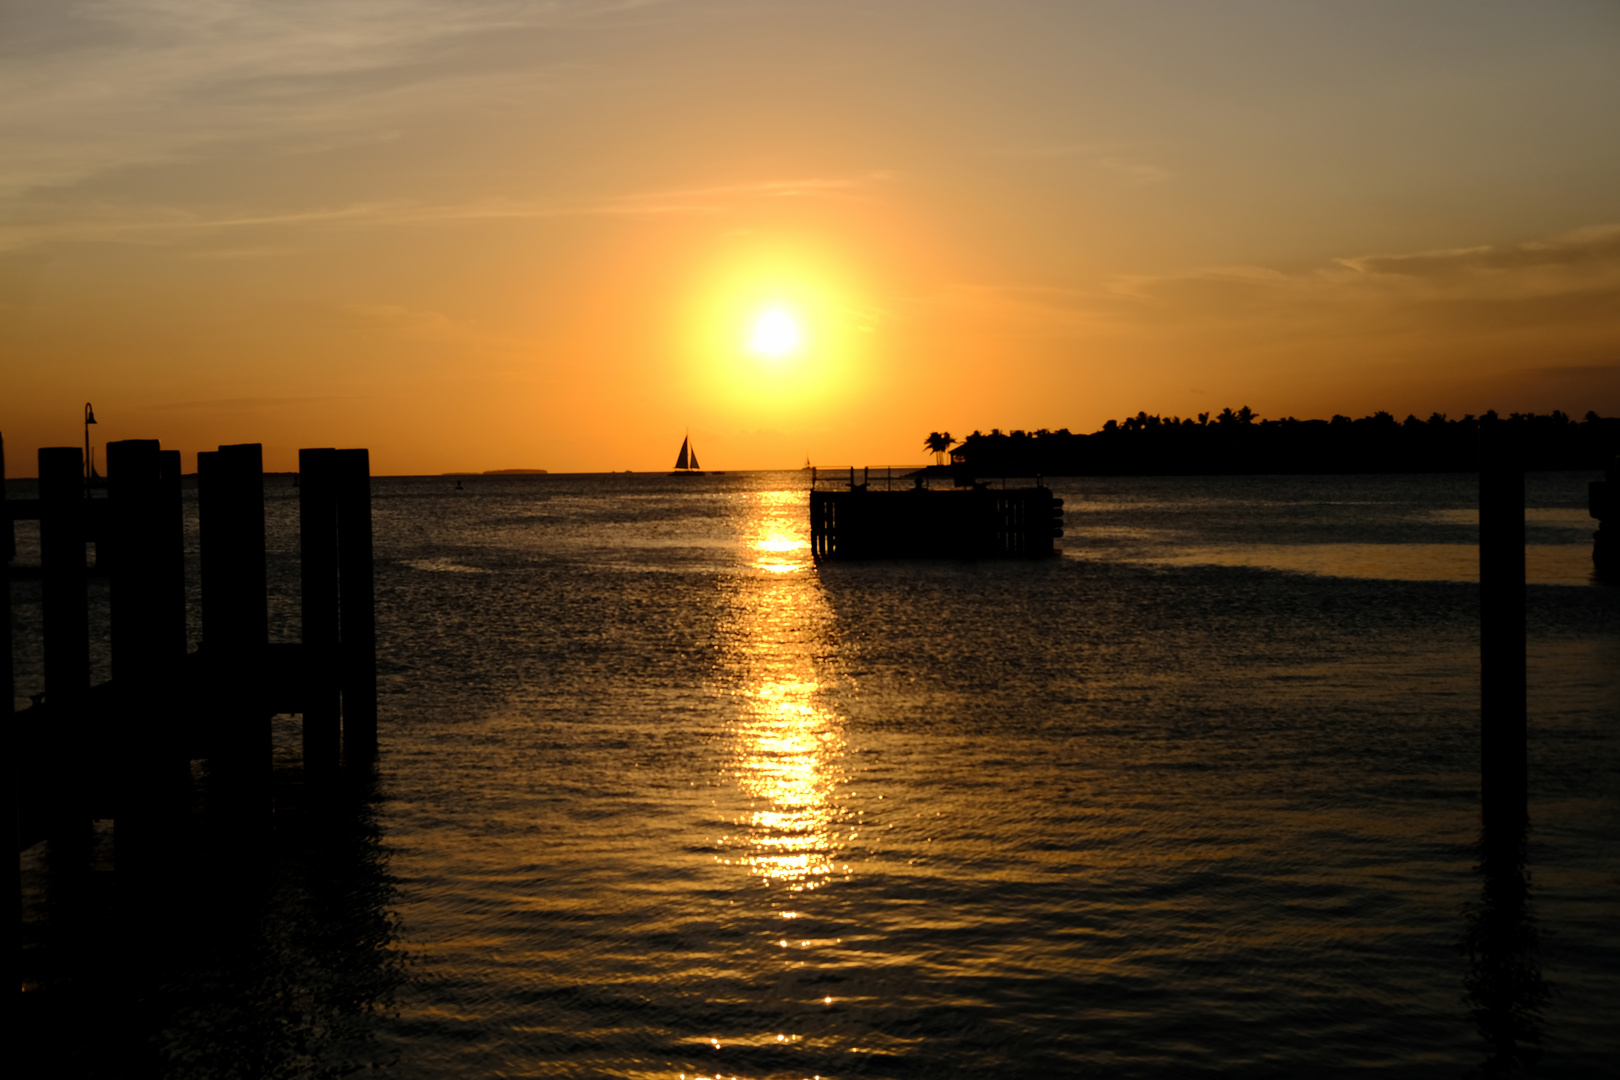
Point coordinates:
[(775, 334)]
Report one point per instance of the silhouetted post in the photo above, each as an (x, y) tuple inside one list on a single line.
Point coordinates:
[(1602, 500), (139, 649), (145, 560), (169, 590), (66, 626), (8, 551), (358, 616), (236, 621), (8, 538), (11, 972), (318, 555), (62, 572), (1505, 989), (1503, 693)]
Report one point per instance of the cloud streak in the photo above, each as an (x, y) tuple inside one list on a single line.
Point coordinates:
[(1581, 262), (122, 223), (90, 87)]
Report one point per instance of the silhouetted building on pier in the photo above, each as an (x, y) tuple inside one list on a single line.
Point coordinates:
[(971, 521)]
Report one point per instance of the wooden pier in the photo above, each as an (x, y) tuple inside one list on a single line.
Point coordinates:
[(971, 520), (122, 749)]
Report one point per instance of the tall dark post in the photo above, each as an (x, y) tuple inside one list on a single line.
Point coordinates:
[(145, 561), (236, 621), (1603, 503), (8, 538), (318, 554), (133, 549), (66, 626), (11, 972), (62, 570), (358, 612), (169, 615), (1503, 694), (8, 551)]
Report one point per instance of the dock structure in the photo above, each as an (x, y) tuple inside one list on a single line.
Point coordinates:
[(121, 750), (969, 520)]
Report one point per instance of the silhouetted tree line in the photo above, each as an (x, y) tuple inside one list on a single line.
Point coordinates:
[(1241, 442)]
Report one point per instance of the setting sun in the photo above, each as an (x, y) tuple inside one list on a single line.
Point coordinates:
[(775, 334)]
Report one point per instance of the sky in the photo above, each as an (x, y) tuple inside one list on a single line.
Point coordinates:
[(495, 234)]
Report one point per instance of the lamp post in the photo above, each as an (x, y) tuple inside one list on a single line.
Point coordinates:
[(89, 418)]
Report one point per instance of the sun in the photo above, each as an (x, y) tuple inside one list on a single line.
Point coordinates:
[(776, 334)]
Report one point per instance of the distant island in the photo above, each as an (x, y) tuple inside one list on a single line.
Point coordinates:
[(500, 472), (1241, 442)]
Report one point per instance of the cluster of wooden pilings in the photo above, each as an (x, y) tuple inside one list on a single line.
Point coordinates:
[(123, 749), (975, 521)]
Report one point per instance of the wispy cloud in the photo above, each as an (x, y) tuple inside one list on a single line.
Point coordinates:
[(1098, 157), (144, 223), (248, 404), (1557, 289), (1581, 262), (1137, 172), (95, 86)]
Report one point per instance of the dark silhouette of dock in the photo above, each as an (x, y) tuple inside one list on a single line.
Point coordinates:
[(123, 749), (969, 520)]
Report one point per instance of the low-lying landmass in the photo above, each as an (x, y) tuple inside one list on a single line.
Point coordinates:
[(500, 472), (1242, 442)]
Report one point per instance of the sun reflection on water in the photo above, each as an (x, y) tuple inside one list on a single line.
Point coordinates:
[(788, 744)]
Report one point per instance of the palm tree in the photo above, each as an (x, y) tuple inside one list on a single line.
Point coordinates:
[(938, 442)]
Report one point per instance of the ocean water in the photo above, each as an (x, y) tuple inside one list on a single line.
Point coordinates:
[(659, 797)]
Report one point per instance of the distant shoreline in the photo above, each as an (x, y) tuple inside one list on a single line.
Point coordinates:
[(500, 472), (1241, 444)]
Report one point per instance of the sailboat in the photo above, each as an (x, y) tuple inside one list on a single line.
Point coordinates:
[(687, 463)]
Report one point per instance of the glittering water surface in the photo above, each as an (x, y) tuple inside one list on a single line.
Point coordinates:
[(663, 799)]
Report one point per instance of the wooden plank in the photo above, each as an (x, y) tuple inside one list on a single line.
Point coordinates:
[(236, 620), (318, 577), (358, 610), (62, 571), (1503, 683)]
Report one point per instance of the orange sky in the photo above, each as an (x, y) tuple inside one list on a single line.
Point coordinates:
[(501, 234)]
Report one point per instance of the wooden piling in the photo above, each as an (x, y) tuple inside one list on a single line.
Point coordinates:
[(66, 620), (1503, 669), (145, 562), (169, 592), (358, 612), (236, 618), (66, 632), (141, 646), (318, 555), (8, 538), (12, 971)]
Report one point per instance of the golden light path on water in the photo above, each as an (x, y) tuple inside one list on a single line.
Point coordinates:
[(787, 746)]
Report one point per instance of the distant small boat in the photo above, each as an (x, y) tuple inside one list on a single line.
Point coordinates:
[(807, 465), (687, 463)]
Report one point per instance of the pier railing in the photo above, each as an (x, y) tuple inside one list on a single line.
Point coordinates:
[(909, 477)]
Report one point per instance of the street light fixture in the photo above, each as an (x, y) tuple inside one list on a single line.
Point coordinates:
[(89, 471)]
